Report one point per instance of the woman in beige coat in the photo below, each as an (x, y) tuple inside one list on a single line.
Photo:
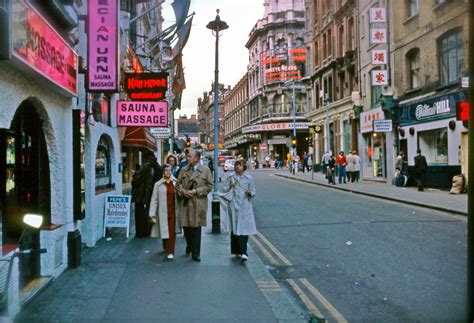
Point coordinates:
[(163, 211)]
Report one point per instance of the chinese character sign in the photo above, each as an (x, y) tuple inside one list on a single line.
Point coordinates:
[(379, 77), (377, 15), (378, 36), (379, 57)]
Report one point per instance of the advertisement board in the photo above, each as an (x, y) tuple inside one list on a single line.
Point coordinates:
[(102, 46), (146, 86), (117, 212), (37, 44), (142, 114), (275, 127), (283, 64)]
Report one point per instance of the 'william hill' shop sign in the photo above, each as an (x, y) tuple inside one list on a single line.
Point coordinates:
[(142, 114), (440, 107)]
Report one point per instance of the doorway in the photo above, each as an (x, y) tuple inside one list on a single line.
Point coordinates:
[(26, 186)]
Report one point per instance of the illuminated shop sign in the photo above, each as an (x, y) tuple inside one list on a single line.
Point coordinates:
[(102, 46), (283, 64), (142, 114), (38, 45), (276, 127), (146, 86)]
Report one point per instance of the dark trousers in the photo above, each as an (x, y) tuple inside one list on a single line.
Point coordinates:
[(142, 225), (420, 179), (238, 244), (193, 240)]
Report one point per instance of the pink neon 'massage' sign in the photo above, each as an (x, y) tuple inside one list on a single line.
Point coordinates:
[(102, 45), (37, 44), (142, 114)]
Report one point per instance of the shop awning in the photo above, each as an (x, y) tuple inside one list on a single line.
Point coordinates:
[(139, 137)]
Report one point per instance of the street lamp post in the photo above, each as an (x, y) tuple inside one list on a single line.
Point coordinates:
[(328, 133), (216, 26)]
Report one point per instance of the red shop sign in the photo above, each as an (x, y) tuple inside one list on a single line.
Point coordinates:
[(146, 86), (39, 46)]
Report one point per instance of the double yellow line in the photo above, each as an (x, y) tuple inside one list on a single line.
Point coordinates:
[(318, 296), (302, 287), (274, 256)]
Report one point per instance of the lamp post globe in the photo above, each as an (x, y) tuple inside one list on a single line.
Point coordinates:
[(217, 25)]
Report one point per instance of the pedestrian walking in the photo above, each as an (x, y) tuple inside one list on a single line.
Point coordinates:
[(239, 190), (142, 187), (325, 163), (163, 213), (193, 185), (420, 169), (356, 159), (296, 163), (182, 161), (310, 162), (350, 167), (289, 162), (305, 162), (342, 163), (173, 162), (331, 170)]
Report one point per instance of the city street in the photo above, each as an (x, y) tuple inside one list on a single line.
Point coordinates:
[(357, 258)]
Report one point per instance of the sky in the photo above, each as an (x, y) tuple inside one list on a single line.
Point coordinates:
[(199, 53)]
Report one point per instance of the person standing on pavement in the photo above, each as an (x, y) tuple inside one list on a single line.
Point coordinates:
[(356, 159), (305, 162), (420, 169), (350, 167), (142, 187), (342, 163), (331, 170), (399, 169), (296, 162), (163, 211), (240, 189), (173, 162), (325, 163), (193, 185)]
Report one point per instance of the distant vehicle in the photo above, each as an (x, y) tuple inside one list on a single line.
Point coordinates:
[(229, 165)]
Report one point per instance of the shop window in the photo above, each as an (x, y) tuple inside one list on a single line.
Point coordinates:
[(413, 62), (103, 176), (413, 7), (451, 57), (434, 145)]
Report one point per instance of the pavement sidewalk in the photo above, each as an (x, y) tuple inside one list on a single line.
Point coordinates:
[(129, 280), (430, 198)]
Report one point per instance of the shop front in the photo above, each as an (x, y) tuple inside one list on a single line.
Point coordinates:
[(36, 102), (376, 148), (276, 138), (430, 124)]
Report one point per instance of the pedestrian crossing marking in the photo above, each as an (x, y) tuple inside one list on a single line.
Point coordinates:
[(320, 297), (269, 286), (274, 249), (305, 299)]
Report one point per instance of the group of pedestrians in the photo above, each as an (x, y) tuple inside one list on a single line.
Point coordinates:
[(174, 198), (348, 167), (401, 170)]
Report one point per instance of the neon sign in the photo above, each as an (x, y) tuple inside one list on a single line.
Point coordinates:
[(146, 86), (38, 45)]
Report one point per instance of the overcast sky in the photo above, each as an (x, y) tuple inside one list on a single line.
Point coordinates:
[(198, 55)]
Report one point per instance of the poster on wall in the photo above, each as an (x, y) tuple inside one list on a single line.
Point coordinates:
[(102, 46), (117, 212), (39, 46)]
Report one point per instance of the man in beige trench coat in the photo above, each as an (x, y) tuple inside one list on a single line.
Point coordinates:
[(193, 185)]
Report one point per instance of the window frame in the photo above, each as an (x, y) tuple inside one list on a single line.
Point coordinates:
[(446, 53), (104, 147), (413, 57)]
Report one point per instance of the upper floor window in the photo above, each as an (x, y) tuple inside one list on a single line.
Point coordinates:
[(451, 57), (413, 7), (413, 62)]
